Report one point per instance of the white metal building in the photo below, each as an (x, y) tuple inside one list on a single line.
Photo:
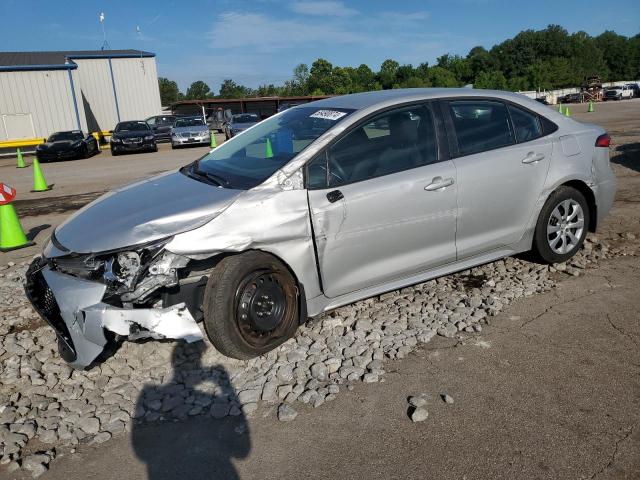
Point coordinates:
[(45, 92)]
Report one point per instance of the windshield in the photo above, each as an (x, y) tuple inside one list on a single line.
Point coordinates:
[(132, 127), (253, 156), (245, 118), (189, 122), (60, 136)]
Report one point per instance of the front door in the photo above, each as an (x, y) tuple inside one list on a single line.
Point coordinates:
[(387, 207)]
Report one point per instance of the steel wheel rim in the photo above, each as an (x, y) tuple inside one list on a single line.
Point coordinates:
[(565, 227), (262, 307)]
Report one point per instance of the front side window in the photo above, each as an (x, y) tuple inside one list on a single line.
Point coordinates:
[(480, 125), (253, 156), (391, 142), (526, 124)]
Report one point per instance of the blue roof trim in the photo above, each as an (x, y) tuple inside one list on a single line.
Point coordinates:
[(114, 55), (23, 68)]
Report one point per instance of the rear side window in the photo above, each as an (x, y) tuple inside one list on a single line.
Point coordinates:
[(526, 124), (480, 125)]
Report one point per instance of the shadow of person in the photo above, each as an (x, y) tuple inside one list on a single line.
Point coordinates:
[(191, 427)]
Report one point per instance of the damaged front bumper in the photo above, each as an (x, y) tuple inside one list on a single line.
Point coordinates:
[(75, 309)]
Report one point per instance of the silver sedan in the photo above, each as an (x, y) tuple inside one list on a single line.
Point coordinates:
[(190, 131), (317, 207)]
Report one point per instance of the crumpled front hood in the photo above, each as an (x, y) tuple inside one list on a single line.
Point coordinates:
[(149, 210)]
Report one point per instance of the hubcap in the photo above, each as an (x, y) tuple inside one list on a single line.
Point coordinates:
[(565, 226), (261, 304)]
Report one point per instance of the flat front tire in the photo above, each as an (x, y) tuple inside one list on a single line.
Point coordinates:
[(562, 225), (251, 305)]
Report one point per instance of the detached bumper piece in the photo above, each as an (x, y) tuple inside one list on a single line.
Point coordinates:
[(74, 309)]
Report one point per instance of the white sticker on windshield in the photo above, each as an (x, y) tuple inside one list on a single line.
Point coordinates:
[(328, 114)]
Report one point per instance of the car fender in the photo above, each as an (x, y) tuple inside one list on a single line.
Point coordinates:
[(270, 219)]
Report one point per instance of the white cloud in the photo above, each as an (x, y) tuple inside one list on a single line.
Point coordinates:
[(253, 30), (323, 7), (400, 17)]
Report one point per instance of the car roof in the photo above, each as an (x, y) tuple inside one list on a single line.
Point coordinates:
[(364, 100)]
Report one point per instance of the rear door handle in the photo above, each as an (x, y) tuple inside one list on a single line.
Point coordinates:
[(533, 157), (438, 183)]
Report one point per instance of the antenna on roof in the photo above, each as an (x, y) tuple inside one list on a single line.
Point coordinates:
[(105, 44)]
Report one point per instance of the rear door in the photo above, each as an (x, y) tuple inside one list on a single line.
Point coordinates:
[(502, 161), (382, 202)]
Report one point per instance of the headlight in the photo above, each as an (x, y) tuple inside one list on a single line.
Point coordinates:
[(115, 140), (77, 144), (122, 268), (149, 137)]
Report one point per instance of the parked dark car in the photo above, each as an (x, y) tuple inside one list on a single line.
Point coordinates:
[(571, 98), (66, 146), (239, 123), (542, 100), (132, 136), (161, 126)]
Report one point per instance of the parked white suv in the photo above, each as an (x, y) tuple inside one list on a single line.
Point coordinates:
[(619, 92)]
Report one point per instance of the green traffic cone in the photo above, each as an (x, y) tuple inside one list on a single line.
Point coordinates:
[(560, 108), (12, 236), (590, 109), (567, 112), (268, 151), (39, 183), (21, 163), (213, 140)]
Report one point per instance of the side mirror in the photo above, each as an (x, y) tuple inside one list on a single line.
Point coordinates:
[(111, 132)]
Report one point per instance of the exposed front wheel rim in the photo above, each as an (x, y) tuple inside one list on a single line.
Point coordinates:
[(263, 307), (565, 227)]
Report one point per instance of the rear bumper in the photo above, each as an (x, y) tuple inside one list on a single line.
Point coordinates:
[(73, 307), (605, 192)]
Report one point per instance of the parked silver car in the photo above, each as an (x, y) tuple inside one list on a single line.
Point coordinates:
[(317, 207), (190, 131)]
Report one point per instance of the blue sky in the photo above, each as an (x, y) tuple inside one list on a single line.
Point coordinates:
[(260, 41)]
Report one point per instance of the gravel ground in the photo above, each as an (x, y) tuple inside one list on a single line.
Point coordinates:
[(46, 405)]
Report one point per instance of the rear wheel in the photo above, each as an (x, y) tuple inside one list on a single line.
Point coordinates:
[(251, 305), (562, 225)]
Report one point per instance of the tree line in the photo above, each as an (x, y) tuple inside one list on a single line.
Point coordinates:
[(532, 60)]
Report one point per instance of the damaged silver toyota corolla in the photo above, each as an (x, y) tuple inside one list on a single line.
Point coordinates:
[(316, 207)]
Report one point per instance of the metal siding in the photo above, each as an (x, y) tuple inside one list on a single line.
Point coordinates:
[(94, 82), (46, 95), (137, 87)]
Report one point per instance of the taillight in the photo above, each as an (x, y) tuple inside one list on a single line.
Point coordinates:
[(603, 140)]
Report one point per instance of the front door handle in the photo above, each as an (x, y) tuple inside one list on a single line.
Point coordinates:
[(334, 195), (533, 157), (438, 183)]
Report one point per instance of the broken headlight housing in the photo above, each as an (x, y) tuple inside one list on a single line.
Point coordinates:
[(132, 273)]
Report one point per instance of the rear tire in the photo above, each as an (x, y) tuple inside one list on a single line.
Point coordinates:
[(251, 305), (562, 225)]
